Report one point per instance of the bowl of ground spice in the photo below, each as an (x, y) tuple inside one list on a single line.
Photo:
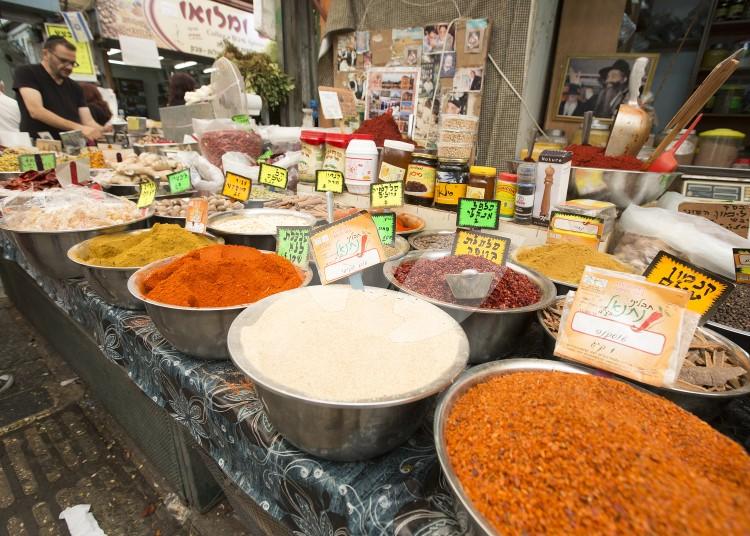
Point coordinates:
[(533, 446), (193, 299), (493, 324), (109, 260)]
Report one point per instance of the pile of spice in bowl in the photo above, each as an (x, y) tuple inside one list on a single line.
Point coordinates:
[(735, 311), (558, 453), (565, 262), (509, 289), (177, 207), (250, 222), (433, 240)]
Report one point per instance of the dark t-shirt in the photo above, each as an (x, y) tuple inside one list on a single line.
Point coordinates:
[(62, 99)]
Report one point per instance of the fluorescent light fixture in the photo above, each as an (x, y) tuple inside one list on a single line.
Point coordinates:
[(185, 64), (117, 62), (113, 51), (209, 70)]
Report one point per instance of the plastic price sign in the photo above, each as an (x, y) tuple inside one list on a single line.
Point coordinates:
[(37, 162), (179, 181), (236, 186), (346, 247), (387, 194), (491, 247), (707, 289), (386, 224), (274, 176), (197, 215), (478, 213), (329, 180), (742, 265), (148, 193), (241, 119), (136, 123), (293, 243)]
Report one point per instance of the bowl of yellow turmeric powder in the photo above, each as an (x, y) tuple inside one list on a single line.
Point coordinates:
[(109, 260)]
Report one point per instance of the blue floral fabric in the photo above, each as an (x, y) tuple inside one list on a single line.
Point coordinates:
[(402, 492)]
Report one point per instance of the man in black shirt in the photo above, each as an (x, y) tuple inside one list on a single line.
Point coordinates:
[(48, 99)]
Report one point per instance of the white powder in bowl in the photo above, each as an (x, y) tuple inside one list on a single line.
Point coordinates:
[(341, 345), (257, 223)]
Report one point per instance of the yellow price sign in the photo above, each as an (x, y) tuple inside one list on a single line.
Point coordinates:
[(387, 194), (329, 180), (707, 289), (273, 176), (491, 247), (148, 194), (236, 186), (741, 265)]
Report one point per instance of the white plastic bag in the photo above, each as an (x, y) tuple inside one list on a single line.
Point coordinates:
[(204, 176)]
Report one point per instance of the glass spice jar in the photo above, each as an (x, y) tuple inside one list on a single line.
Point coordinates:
[(481, 183), (450, 182), (419, 186), (396, 158)]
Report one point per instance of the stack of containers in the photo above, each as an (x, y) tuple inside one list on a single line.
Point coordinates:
[(458, 135)]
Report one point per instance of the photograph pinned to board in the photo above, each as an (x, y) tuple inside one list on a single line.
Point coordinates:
[(468, 79), (355, 81), (426, 121), (362, 39), (475, 29), (598, 84), (406, 46), (394, 89), (429, 77), (438, 38), (461, 103), (447, 65), (346, 52)]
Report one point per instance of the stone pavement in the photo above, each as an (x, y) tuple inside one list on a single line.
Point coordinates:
[(59, 448)]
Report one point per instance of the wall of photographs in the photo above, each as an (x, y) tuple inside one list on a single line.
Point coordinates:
[(416, 73)]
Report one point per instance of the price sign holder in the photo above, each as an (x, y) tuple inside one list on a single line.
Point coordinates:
[(293, 243), (329, 180), (236, 186), (386, 224), (274, 176), (179, 181), (49, 145), (387, 194), (707, 289), (742, 265), (37, 162), (346, 247), (147, 195), (491, 247), (197, 215), (478, 213)]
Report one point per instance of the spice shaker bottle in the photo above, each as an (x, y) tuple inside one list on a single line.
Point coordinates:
[(505, 192), (525, 197)]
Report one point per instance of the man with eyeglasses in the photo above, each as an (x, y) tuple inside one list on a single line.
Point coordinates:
[(49, 100)]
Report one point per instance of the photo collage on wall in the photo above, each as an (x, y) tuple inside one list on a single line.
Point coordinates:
[(416, 73)]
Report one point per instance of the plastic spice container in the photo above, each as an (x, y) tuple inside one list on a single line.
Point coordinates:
[(719, 147), (450, 182), (361, 163), (313, 151), (335, 157), (396, 158), (419, 187), (505, 192), (481, 183)]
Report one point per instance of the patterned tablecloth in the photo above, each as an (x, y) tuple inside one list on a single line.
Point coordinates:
[(402, 492)]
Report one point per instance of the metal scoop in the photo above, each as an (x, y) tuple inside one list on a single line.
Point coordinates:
[(632, 124), (470, 284)]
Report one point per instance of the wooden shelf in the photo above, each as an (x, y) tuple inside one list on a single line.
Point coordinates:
[(738, 116)]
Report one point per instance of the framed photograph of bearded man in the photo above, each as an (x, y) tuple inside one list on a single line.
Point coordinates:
[(600, 84)]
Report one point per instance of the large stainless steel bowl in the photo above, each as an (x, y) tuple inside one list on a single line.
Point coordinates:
[(472, 521), (339, 431), (196, 331), (47, 251), (493, 333), (110, 282), (257, 240), (414, 239), (703, 404)]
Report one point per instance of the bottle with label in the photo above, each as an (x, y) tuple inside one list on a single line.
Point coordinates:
[(313, 150), (505, 192), (396, 158), (450, 182), (361, 164), (525, 197), (481, 183), (335, 157), (419, 187)]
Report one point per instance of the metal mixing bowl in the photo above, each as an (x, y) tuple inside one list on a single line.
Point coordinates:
[(110, 282), (257, 240), (493, 333), (47, 251), (471, 520), (339, 431), (413, 239), (196, 331)]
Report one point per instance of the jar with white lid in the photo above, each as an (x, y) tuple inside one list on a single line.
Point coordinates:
[(361, 164)]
